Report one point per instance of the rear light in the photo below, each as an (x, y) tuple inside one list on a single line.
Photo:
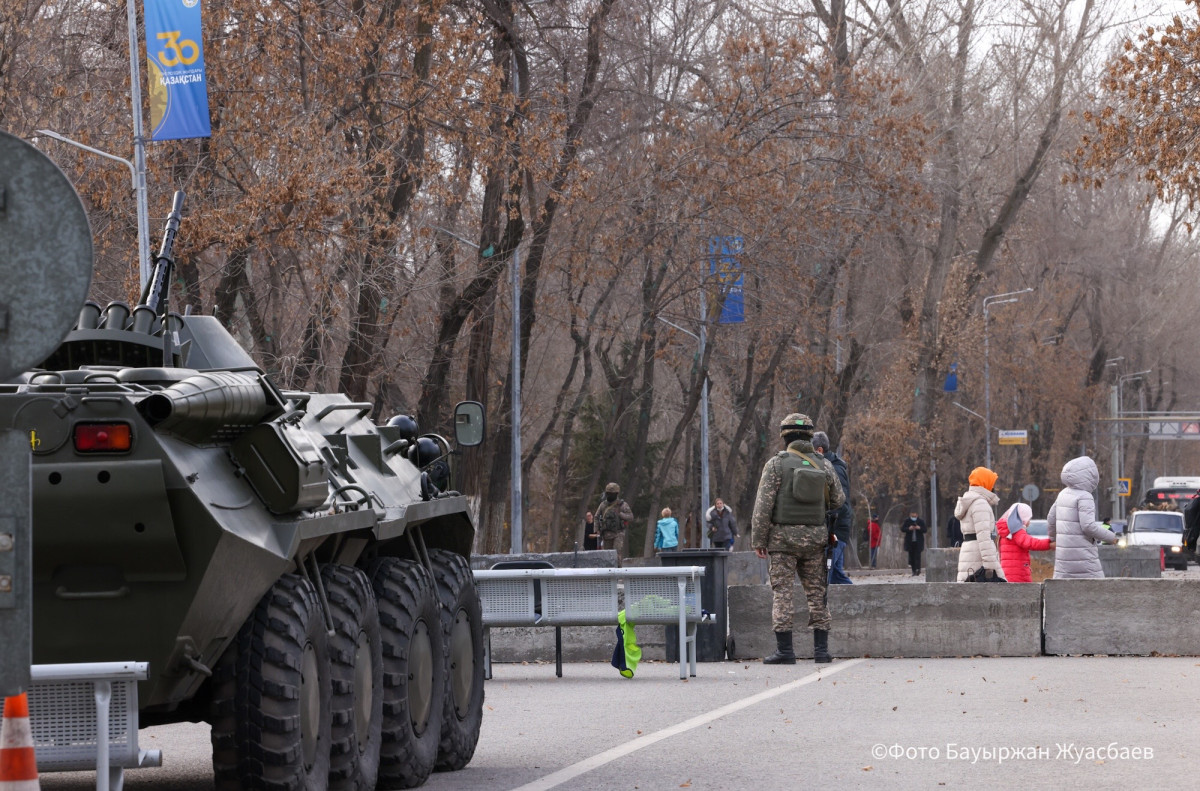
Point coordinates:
[(103, 437), (1161, 496)]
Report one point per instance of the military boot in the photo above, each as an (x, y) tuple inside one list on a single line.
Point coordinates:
[(821, 646), (784, 655)]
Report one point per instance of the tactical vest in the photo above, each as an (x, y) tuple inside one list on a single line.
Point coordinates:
[(801, 496), (610, 521)]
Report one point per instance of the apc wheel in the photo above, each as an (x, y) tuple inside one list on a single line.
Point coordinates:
[(413, 671), (281, 695), (356, 657), (222, 716), (462, 628)]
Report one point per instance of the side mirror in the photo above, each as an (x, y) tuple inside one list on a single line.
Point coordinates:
[(468, 424)]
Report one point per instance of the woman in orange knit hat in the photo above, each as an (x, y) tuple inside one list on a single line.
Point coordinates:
[(974, 510)]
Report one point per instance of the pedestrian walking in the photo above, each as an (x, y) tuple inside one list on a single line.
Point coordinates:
[(1016, 543), (875, 537), (788, 526), (974, 510), (614, 516), (722, 527), (913, 529), (841, 519), (1073, 526), (666, 533)]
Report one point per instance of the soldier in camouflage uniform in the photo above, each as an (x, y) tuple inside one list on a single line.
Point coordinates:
[(613, 517), (789, 526)]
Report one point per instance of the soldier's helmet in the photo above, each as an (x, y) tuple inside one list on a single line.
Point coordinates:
[(796, 422), (612, 488)]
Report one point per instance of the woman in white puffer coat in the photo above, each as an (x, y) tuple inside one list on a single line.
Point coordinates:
[(1073, 525), (974, 510)]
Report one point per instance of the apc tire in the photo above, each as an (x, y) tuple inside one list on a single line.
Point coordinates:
[(282, 694), (413, 671), (462, 630), (356, 659), (222, 716)]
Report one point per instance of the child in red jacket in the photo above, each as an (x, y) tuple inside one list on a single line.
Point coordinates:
[(1015, 545)]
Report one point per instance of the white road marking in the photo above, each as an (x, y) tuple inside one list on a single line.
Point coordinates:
[(641, 742)]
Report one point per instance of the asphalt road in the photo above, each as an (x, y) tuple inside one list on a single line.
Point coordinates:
[(1039, 722)]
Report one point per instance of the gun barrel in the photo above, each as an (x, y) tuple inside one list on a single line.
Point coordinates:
[(167, 249), (155, 296)]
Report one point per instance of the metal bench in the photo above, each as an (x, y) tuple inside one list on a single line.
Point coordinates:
[(591, 597), (74, 708)]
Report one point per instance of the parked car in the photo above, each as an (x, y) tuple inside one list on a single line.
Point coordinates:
[(1038, 528), (1158, 528)]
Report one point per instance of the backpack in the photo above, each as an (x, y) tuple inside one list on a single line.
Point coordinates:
[(801, 498)]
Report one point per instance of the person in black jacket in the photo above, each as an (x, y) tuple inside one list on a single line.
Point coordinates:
[(591, 533), (1191, 523), (954, 534), (841, 519), (913, 529)]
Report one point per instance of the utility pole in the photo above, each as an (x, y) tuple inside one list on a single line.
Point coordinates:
[(704, 489), (995, 299)]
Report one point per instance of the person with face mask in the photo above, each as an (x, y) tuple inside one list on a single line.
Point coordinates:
[(614, 517), (913, 530)]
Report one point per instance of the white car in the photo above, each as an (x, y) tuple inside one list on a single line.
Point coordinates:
[(1158, 528)]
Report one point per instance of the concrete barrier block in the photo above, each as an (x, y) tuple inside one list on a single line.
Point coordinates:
[(536, 643), (745, 568), (1122, 617), (591, 559), (580, 643), (917, 620), (1142, 562), (941, 565)]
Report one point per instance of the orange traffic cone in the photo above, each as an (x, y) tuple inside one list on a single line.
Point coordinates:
[(18, 765)]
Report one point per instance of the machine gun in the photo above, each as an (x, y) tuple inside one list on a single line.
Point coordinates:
[(153, 304)]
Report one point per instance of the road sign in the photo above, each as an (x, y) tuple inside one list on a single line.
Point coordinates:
[(1030, 492), (1017, 437), (1124, 485), (1173, 429)]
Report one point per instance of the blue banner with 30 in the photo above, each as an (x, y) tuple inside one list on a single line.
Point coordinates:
[(175, 61)]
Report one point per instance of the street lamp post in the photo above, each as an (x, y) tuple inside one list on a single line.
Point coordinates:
[(137, 168), (138, 175), (1118, 448), (704, 491), (516, 524), (995, 299)]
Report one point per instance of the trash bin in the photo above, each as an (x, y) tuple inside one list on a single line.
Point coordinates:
[(710, 636)]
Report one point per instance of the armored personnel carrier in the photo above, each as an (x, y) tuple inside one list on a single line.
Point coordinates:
[(293, 573)]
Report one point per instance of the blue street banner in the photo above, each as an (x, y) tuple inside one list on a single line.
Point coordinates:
[(724, 261), (951, 385), (175, 70)]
